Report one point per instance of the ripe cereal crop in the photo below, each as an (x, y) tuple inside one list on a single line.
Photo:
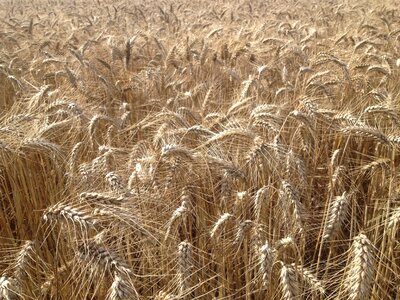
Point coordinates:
[(199, 149)]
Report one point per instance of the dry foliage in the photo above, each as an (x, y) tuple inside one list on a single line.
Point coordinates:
[(199, 150)]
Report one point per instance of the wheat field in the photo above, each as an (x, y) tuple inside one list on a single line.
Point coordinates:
[(199, 149)]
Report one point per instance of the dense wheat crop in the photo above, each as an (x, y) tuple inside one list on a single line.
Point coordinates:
[(199, 149)]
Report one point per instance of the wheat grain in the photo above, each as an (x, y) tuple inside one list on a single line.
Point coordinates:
[(179, 213), (120, 290), (310, 279), (267, 259), (63, 212), (360, 274), (223, 219), (336, 215), (97, 198), (96, 254), (289, 282), (9, 289), (185, 265)]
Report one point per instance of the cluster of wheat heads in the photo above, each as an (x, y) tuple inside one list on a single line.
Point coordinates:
[(199, 150)]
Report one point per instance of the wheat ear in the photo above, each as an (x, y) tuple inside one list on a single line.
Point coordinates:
[(360, 275)]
